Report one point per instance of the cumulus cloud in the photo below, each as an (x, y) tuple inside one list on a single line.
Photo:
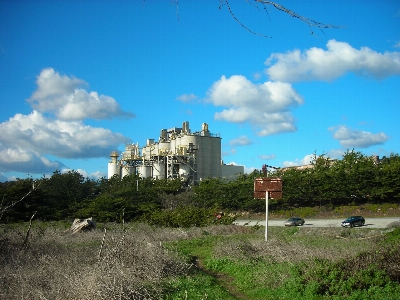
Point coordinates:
[(187, 97), (55, 127), (66, 98), (95, 175), (59, 138), (338, 59), (266, 106), (353, 138), (306, 160), (26, 161), (249, 170), (240, 141)]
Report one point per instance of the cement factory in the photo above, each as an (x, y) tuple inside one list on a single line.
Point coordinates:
[(178, 153)]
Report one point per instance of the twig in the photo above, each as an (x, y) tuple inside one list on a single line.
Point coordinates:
[(240, 23), (309, 22), (5, 208), (28, 231), (102, 243)]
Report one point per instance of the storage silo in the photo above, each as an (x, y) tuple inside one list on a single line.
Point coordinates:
[(159, 170), (164, 148), (127, 170), (215, 162), (113, 165), (144, 171)]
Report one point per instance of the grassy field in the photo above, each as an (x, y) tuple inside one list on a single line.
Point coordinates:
[(137, 261)]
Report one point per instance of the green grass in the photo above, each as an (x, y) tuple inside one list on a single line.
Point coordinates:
[(328, 273), (214, 262), (196, 286)]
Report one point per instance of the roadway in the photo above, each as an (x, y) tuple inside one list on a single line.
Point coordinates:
[(369, 222)]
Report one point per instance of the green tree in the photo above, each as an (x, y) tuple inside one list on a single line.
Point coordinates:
[(387, 183), (66, 192)]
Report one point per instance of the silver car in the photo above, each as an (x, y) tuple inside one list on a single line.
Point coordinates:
[(295, 222)]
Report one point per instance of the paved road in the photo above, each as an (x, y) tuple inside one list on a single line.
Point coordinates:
[(369, 222)]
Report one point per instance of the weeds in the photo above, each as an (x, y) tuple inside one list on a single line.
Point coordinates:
[(138, 261)]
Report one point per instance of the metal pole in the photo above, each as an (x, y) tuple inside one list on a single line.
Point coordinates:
[(266, 215)]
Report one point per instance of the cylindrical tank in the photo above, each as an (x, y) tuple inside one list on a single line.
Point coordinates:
[(113, 169), (172, 146), (185, 128), (127, 170), (144, 171), (163, 148), (215, 162), (159, 170), (163, 135), (187, 139)]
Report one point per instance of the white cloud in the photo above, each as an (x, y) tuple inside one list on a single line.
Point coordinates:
[(306, 160), (65, 97), (59, 138), (26, 161), (353, 138), (240, 141), (267, 157), (95, 175), (338, 59), (249, 170), (187, 97), (397, 45), (265, 106)]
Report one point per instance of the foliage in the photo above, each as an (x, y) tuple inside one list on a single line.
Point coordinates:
[(354, 179), (328, 268), (355, 182), (187, 216), (138, 261)]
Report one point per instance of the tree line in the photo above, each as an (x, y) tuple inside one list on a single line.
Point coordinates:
[(355, 179)]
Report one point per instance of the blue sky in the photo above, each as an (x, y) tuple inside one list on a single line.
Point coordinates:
[(81, 78)]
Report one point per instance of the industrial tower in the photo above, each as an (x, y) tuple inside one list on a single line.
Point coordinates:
[(178, 153)]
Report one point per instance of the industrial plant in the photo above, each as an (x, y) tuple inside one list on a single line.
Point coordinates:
[(178, 153)]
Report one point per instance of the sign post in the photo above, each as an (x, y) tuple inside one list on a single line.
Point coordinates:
[(265, 188), (266, 215)]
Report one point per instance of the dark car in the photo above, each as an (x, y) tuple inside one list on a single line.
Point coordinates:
[(294, 221), (353, 221)]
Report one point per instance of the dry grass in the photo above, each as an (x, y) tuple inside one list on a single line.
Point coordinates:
[(58, 265), (303, 244), (130, 264)]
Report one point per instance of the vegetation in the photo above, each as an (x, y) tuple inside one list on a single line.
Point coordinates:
[(139, 261), (338, 186), (156, 239)]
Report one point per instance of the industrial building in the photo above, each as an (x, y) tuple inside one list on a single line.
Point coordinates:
[(178, 153)]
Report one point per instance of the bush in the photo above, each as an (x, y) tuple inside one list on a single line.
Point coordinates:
[(187, 216)]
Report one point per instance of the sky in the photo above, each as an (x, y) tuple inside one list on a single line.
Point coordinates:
[(79, 79)]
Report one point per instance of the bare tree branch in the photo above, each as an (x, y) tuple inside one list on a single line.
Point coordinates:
[(309, 22), (28, 231), (237, 20), (3, 209)]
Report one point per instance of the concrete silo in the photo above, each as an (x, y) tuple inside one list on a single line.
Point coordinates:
[(114, 168), (178, 153)]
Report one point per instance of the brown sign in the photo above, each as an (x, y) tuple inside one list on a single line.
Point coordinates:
[(272, 195), (271, 185)]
